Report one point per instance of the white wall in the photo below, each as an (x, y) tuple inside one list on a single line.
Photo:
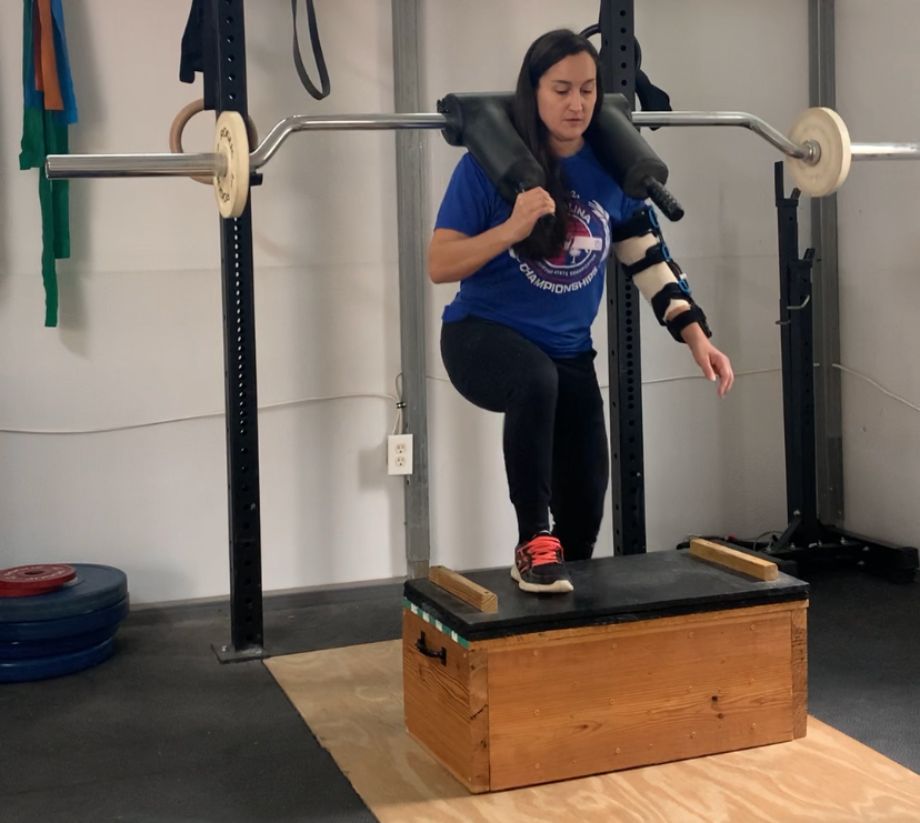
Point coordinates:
[(140, 334), (878, 85)]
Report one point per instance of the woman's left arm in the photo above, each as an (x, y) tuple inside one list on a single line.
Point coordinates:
[(638, 244)]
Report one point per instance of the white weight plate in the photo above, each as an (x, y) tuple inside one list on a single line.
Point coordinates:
[(826, 128), (232, 141)]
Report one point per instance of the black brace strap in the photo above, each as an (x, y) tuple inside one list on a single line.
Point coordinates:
[(641, 222), (679, 290), (653, 255), (680, 321), (671, 291)]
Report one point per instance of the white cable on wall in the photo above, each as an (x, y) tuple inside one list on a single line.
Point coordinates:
[(400, 404), (844, 369), (658, 379), (700, 377), (397, 401), (207, 415), (878, 386)]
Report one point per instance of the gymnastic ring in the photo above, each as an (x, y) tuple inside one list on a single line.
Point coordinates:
[(179, 122)]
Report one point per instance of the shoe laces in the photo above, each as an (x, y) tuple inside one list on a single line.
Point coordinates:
[(544, 548)]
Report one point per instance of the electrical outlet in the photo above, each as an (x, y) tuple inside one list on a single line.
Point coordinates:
[(399, 454)]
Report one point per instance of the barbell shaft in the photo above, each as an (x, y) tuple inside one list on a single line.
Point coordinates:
[(885, 151), (175, 165), (353, 122), (860, 151), (134, 165), (724, 118), (187, 165)]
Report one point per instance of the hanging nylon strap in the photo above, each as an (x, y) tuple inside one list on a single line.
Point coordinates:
[(319, 94)]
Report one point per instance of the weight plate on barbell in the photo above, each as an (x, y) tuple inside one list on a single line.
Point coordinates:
[(825, 128), (232, 141)]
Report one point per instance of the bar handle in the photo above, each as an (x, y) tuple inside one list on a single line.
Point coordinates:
[(662, 198)]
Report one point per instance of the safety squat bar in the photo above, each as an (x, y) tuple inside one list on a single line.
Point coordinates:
[(184, 165), (818, 148)]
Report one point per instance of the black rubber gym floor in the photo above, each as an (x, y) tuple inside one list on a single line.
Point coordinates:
[(163, 732)]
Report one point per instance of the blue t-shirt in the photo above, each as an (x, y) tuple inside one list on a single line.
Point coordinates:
[(550, 302)]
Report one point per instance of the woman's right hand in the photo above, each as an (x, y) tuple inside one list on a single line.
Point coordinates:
[(453, 255), (529, 207)]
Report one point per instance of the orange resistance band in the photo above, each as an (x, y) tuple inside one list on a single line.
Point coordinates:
[(46, 74)]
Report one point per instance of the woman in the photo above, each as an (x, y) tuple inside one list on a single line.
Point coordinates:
[(516, 338)]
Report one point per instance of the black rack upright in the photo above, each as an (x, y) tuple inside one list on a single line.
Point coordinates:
[(618, 74), (806, 541), (223, 33)]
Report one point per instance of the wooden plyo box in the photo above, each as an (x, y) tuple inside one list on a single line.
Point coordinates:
[(653, 658)]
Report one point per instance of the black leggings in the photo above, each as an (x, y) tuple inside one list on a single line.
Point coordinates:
[(555, 437)]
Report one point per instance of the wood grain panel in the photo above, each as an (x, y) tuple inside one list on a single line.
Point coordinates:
[(799, 628), (634, 628), (592, 706), (445, 703)]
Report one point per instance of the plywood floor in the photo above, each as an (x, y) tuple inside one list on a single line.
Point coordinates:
[(352, 700)]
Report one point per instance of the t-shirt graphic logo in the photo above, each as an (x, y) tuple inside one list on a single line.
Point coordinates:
[(586, 248)]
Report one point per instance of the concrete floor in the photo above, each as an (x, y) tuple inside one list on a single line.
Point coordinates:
[(163, 732)]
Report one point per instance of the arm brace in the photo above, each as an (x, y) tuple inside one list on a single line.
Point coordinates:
[(641, 249)]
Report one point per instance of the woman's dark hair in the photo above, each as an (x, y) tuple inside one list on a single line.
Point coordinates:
[(549, 235)]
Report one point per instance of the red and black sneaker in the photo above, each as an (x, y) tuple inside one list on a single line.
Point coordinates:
[(538, 565)]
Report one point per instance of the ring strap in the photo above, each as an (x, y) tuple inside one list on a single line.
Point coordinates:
[(317, 47)]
